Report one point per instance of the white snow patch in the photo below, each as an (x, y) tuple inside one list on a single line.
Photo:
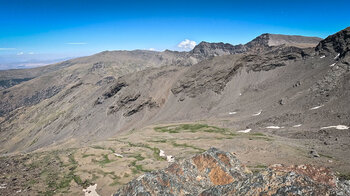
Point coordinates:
[(232, 113), (337, 56), (257, 114), (316, 107), (245, 131), (322, 57), (273, 127), (161, 153), (18, 191), (299, 125), (118, 155), (332, 65), (170, 158), (339, 127), (91, 190)]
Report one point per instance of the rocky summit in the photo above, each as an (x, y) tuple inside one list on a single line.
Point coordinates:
[(215, 172)]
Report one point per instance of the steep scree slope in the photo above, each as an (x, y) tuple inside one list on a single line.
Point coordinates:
[(104, 94)]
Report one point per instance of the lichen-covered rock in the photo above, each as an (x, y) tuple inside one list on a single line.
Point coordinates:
[(215, 172)]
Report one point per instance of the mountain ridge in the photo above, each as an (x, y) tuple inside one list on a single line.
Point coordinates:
[(10, 78), (106, 119), (89, 78)]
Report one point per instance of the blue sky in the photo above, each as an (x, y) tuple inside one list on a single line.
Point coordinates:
[(55, 29)]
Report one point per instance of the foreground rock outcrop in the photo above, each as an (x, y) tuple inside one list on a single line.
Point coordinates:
[(215, 172)]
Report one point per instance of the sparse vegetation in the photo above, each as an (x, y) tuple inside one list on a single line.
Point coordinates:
[(115, 182), (257, 168), (98, 147), (111, 149), (343, 176), (138, 157), (55, 175), (115, 179), (105, 160), (64, 182), (94, 177), (193, 128), (326, 156), (137, 168), (187, 146), (158, 141), (156, 152), (258, 134), (72, 159), (261, 166), (154, 149), (87, 155), (103, 173)]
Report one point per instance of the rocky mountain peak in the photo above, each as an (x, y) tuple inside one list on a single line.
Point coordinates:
[(268, 40), (336, 43), (215, 172), (261, 43), (206, 49)]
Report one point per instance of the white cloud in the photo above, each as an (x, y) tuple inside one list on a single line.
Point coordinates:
[(7, 48), (30, 52), (20, 53), (187, 44), (76, 43), (152, 49)]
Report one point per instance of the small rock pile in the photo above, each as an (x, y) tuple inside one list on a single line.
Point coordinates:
[(215, 172)]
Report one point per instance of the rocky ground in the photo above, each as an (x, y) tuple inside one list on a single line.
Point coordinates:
[(75, 99), (111, 164), (216, 172), (90, 125)]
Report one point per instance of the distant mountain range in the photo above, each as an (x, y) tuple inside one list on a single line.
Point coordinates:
[(277, 97)]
